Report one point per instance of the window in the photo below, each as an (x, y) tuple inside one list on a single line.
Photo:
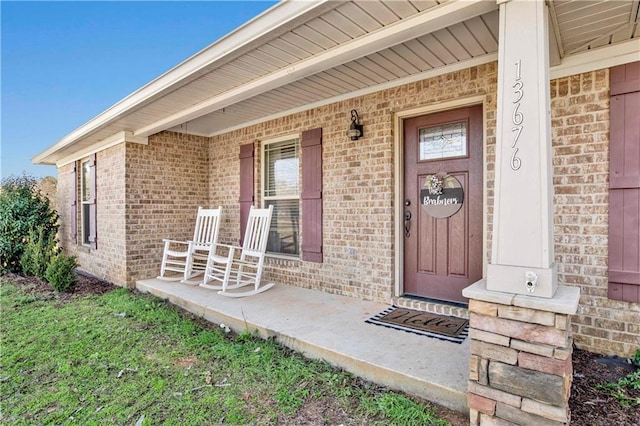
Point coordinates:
[(88, 201), (86, 198), (445, 141), (280, 158), (281, 189)]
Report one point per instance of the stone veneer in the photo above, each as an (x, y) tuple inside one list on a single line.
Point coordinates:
[(520, 369), (167, 179)]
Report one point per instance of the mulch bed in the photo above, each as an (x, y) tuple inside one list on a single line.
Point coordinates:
[(85, 285), (593, 407), (589, 406)]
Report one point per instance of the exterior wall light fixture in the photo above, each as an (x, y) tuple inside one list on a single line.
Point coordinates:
[(355, 129)]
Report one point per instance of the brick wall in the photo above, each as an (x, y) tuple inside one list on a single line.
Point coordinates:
[(166, 181), (358, 182), (580, 122), (108, 261)]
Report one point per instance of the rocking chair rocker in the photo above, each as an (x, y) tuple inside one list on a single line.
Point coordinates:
[(242, 266), (188, 259)]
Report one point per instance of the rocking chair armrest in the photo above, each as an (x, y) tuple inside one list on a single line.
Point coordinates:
[(244, 262), (229, 246), (168, 240), (231, 249)]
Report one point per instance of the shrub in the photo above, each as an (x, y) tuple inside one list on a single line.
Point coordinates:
[(61, 272), (38, 252), (22, 209)]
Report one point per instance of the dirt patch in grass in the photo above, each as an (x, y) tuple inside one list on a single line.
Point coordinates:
[(589, 405)]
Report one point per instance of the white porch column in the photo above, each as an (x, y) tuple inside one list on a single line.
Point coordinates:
[(522, 259)]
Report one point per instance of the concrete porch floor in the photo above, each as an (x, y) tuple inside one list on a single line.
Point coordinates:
[(332, 328)]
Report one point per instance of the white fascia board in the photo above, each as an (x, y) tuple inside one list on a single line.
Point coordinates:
[(439, 17), (277, 16), (596, 59), (113, 140)]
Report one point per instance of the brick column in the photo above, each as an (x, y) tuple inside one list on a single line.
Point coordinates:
[(520, 364)]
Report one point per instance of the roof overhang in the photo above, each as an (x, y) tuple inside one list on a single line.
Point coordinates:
[(257, 72), (450, 13), (268, 24)]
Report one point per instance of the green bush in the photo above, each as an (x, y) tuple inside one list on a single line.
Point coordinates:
[(61, 272), (39, 250), (22, 209)]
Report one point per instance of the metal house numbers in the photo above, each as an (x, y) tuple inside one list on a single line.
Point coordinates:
[(517, 118)]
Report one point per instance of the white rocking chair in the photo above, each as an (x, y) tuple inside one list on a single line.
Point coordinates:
[(241, 269), (189, 258)]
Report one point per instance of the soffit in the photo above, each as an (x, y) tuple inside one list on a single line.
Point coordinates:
[(584, 25)]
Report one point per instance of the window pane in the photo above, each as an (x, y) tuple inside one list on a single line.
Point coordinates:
[(86, 181), (284, 233), (449, 140), (85, 223), (281, 169)]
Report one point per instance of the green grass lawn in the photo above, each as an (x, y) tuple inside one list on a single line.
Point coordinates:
[(126, 358)]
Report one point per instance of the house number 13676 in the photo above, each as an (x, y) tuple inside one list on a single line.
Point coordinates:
[(517, 118)]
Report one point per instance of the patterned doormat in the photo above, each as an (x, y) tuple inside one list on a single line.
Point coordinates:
[(451, 329)]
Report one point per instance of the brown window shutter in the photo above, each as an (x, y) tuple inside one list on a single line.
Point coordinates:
[(93, 234), (74, 203), (311, 197), (246, 185), (624, 184)]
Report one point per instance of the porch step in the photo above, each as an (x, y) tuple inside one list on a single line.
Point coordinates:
[(331, 327)]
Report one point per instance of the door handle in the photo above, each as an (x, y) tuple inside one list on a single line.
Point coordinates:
[(407, 219)]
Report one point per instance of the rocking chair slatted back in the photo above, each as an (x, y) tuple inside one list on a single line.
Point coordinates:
[(257, 232), (207, 226), (233, 272), (187, 259)]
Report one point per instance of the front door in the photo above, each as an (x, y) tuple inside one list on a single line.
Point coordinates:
[(443, 203)]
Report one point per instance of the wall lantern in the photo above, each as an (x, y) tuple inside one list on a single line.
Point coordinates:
[(355, 129)]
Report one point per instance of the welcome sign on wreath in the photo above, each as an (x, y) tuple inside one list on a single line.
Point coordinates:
[(441, 196)]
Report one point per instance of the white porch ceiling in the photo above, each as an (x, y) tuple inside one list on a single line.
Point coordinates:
[(334, 50)]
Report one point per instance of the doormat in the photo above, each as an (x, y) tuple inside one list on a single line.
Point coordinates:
[(451, 329)]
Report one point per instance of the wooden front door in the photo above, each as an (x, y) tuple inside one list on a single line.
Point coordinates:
[(442, 246)]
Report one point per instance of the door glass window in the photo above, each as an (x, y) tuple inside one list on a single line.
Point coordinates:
[(445, 141)]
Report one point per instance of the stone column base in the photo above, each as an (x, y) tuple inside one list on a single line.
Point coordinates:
[(520, 364)]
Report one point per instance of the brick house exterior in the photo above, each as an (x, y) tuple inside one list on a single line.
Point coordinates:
[(150, 182), (149, 192)]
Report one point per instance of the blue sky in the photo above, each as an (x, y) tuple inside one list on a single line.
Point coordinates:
[(63, 63)]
